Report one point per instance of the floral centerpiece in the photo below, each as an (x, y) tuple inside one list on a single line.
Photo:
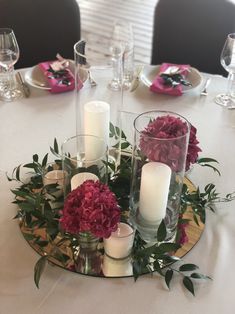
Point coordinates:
[(95, 209)]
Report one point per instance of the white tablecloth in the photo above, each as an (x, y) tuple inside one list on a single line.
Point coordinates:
[(29, 126)]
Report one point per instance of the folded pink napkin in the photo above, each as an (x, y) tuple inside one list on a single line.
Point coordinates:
[(60, 80), (158, 85)]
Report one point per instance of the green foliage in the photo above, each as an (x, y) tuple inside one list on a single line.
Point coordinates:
[(200, 201)]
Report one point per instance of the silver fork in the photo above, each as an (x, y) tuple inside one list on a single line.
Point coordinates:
[(204, 91)]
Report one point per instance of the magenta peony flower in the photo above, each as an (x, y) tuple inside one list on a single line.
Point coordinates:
[(93, 208), (156, 148), (193, 149), (183, 235)]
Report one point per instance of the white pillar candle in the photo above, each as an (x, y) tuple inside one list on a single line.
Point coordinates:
[(120, 243), (154, 189), (96, 122), (79, 178)]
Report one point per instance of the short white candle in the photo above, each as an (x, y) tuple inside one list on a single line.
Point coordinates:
[(120, 243), (53, 177), (96, 122), (117, 268), (154, 189), (79, 178)]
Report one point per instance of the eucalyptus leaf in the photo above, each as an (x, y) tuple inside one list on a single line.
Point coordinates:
[(199, 276), (30, 165), (41, 243), (188, 267), (161, 232), (38, 269), (44, 161), (157, 267), (26, 207), (28, 236), (169, 247), (137, 270), (168, 277), (206, 159), (56, 149), (18, 215), (35, 157), (125, 145), (111, 130), (188, 284), (18, 173)]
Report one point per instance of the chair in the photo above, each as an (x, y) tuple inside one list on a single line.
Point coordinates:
[(43, 28), (192, 32)]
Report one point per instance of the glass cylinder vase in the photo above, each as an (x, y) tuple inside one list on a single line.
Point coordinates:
[(98, 103), (158, 168), (84, 157)]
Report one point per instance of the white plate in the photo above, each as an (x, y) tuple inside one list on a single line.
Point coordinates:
[(35, 77), (150, 72)]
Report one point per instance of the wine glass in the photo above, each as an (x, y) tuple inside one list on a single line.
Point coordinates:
[(122, 43), (227, 60), (9, 55)]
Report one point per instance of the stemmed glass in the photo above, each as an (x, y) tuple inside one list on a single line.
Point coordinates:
[(227, 60), (9, 55), (122, 42)]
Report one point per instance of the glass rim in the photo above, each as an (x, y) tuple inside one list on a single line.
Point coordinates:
[(98, 61), (231, 34), (75, 48), (162, 113), (6, 30), (126, 236), (101, 139)]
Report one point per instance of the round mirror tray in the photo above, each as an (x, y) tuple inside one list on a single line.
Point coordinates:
[(96, 263)]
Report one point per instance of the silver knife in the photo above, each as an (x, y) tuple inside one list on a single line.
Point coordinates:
[(25, 87)]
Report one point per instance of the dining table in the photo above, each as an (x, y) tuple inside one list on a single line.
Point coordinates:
[(28, 126)]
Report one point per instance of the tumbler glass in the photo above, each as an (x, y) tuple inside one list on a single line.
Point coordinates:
[(84, 157)]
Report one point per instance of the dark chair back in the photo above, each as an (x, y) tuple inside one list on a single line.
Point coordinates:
[(192, 32), (42, 28)]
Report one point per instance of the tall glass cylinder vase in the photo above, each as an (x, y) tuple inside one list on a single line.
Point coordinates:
[(158, 167), (98, 105), (84, 157)]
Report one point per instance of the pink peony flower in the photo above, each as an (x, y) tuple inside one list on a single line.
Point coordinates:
[(154, 145), (93, 208)]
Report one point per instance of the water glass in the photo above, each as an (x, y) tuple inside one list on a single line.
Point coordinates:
[(84, 157), (122, 40), (227, 60), (9, 55)]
